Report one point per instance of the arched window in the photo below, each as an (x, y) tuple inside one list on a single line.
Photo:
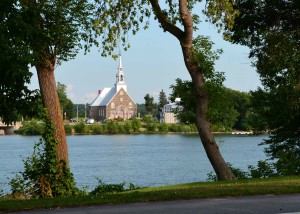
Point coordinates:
[(112, 105)]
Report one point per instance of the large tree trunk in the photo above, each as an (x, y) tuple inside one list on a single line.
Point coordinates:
[(51, 103), (203, 125), (185, 38)]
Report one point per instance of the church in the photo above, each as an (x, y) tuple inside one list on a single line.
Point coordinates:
[(114, 102)]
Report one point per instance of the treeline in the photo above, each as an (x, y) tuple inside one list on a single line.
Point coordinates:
[(227, 109), (146, 125)]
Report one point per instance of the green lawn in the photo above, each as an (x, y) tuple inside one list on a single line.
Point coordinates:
[(281, 185)]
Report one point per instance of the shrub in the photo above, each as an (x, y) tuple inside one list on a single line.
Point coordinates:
[(185, 128), (32, 127), (162, 127), (112, 188), (263, 170), (121, 129), (288, 162), (97, 129), (44, 175), (68, 128), (151, 127), (193, 128), (127, 127), (111, 127), (136, 125), (80, 128), (174, 127)]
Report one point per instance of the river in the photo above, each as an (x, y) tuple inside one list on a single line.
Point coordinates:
[(144, 160)]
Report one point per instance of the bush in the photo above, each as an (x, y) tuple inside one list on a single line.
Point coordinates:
[(121, 129), (162, 127), (288, 162), (127, 127), (44, 175), (112, 188), (174, 127), (111, 127), (68, 129), (185, 128), (151, 127), (80, 128), (97, 129), (136, 125), (193, 128), (32, 127), (263, 170)]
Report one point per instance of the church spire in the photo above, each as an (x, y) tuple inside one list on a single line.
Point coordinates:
[(120, 76), (120, 62)]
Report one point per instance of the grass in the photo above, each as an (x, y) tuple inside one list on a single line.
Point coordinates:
[(280, 185)]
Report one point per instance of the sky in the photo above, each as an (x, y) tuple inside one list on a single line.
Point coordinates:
[(152, 64)]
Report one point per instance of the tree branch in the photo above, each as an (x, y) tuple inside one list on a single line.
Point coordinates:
[(164, 21), (187, 21)]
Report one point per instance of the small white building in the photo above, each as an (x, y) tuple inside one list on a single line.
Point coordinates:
[(167, 114)]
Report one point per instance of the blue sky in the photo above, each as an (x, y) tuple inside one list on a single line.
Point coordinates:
[(152, 63)]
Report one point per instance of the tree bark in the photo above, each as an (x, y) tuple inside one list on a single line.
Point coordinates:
[(202, 122), (51, 103)]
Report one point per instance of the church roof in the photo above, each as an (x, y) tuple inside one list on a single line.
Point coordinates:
[(107, 94), (104, 97)]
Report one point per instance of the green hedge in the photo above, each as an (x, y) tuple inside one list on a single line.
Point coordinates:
[(134, 126)]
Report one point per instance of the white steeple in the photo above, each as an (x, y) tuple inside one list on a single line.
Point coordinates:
[(120, 77)]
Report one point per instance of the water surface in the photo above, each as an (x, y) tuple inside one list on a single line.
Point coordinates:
[(144, 160)]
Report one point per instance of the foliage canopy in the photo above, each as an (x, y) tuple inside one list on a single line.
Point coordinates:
[(272, 30)]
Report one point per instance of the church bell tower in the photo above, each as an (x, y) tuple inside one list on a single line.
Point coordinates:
[(120, 77)]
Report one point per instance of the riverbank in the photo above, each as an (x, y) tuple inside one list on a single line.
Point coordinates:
[(274, 186), (114, 127)]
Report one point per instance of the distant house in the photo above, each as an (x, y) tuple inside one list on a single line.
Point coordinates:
[(114, 102), (167, 114)]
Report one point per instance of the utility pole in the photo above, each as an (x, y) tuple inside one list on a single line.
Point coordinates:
[(85, 108)]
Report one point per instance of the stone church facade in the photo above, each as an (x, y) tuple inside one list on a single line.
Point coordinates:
[(114, 102)]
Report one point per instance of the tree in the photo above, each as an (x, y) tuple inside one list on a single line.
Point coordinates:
[(242, 104), (16, 100), (222, 111), (149, 104), (162, 100), (271, 30), (65, 103), (178, 19), (51, 32)]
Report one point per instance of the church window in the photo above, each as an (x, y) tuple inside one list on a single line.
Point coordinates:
[(130, 105), (121, 99), (112, 105)]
